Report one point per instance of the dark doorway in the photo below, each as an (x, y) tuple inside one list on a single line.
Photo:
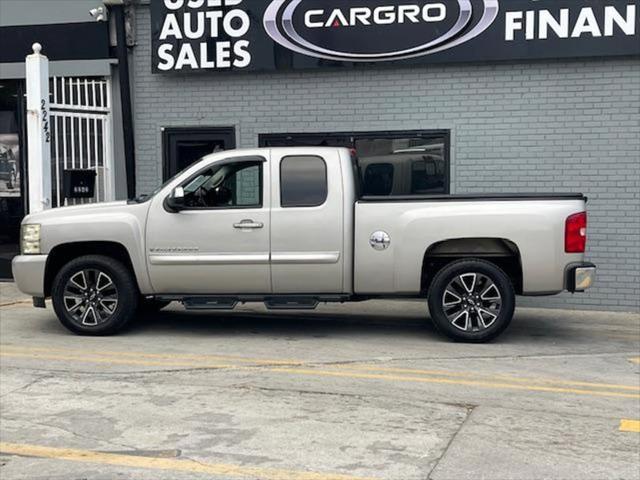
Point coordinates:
[(185, 146), (12, 171)]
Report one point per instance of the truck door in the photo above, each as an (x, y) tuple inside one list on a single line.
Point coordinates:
[(306, 222), (218, 243)]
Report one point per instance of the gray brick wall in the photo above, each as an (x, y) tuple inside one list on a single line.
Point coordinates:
[(528, 127)]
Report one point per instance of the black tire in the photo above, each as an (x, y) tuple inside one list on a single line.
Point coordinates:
[(479, 324), (151, 305), (97, 319)]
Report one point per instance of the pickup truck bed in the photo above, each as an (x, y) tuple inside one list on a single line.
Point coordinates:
[(529, 229)]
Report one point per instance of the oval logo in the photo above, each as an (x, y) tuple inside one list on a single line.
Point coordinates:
[(383, 30)]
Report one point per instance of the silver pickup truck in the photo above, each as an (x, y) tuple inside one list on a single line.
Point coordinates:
[(290, 228)]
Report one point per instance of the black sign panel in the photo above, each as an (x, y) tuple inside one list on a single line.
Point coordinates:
[(59, 41), (79, 183), (247, 35)]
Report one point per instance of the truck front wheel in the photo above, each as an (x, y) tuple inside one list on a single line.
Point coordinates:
[(94, 295), (471, 301)]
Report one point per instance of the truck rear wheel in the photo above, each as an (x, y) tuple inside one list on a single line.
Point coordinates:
[(471, 301), (94, 295)]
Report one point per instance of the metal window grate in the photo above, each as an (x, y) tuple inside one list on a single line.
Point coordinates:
[(80, 93), (80, 110)]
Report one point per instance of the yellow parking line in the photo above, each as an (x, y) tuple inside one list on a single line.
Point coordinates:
[(388, 374), (494, 377), (450, 381), (630, 337), (635, 360), (190, 466), (630, 425), (117, 361), (16, 303), (177, 360), (170, 356)]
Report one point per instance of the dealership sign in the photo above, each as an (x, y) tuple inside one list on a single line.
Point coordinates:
[(219, 35)]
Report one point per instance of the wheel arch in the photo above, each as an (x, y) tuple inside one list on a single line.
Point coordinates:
[(62, 254), (502, 252)]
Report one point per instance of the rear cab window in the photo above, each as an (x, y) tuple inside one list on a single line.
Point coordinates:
[(303, 181)]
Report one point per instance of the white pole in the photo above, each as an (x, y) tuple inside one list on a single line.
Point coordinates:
[(38, 130)]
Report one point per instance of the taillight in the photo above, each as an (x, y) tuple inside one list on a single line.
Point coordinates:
[(575, 233)]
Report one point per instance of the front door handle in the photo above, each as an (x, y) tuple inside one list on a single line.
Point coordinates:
[(248, 224)]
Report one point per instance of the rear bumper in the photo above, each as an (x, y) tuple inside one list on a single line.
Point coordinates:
[(28, 272), (580, 276)]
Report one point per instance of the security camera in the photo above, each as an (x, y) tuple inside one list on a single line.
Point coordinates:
[(99, 14)]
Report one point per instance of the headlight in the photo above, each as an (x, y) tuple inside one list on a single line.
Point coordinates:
[(30, 239)]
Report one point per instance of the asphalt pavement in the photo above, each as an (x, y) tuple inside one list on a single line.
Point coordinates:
[(360, 391)]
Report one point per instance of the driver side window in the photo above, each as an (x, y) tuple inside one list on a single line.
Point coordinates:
[(232, 185)]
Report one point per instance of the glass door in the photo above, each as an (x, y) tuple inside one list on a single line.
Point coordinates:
[(12, 172)]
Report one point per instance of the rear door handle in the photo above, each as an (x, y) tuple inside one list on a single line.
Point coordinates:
[(248, 224)]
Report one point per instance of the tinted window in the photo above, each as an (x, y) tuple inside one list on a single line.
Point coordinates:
[(419, 165), (378, 179), (303, 181), (427, 175), (417, 162)]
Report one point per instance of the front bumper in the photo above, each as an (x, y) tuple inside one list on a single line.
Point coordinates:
[(28, 272), (580, 276)]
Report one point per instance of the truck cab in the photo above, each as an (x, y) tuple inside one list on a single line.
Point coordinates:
[(255, 222)]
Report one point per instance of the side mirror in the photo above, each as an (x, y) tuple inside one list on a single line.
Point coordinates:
[(175, 201)]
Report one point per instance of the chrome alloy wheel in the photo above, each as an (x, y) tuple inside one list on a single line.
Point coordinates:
[(472, 302), (90, 297)]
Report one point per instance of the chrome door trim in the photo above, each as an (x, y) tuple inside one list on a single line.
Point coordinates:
[(284, 258), (211, 259)]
